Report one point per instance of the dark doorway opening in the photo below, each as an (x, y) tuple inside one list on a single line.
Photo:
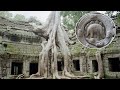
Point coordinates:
[(114, 64), (76, 65), (60, 65), (94, 65), (33, 68), (17, 68)]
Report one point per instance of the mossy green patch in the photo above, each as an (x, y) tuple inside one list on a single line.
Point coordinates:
[(23, 49)]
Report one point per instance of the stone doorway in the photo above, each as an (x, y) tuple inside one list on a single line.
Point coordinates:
[(33, 68), (114, 64), (94, 66), (76, 65), (60, 65), (17, 68)]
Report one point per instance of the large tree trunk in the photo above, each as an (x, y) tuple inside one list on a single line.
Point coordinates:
[(100, 65), (57, 39)]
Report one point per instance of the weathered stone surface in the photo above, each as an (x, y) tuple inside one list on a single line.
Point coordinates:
[(27, 51), (20, 45)]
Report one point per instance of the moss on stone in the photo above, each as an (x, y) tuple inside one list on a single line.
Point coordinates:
[(23, 49), (76, 49), (111, 48), (92, 51)]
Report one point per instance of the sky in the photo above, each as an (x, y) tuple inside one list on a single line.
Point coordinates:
[(41, 15)]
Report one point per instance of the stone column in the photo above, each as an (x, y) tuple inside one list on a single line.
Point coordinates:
[(91, 68), (83, 67), (9, 64), (26, 67)]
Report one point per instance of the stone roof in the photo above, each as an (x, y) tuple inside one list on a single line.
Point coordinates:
[(20, 24), (20, 29), (16, 27)]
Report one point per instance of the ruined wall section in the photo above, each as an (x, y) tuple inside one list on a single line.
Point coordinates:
[(112, 51), (17, 44)]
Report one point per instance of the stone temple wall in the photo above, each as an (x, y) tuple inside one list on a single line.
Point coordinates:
[(19, 50), (111, 60), (17, 45)]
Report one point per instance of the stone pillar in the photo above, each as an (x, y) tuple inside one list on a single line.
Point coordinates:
[(83, 65), (90, 65), (8, 64), (4, 69), (91, 68), (26, 67)]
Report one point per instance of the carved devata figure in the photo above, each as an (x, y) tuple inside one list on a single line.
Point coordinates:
[(95, 30)]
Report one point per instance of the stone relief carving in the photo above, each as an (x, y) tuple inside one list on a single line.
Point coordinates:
[(95, 30)]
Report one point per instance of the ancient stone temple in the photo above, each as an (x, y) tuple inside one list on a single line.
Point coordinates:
[(20, 48)]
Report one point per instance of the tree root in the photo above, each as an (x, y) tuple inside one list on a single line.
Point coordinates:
[(37, 76), (56, 76), (20, 76), (57, 37), (72, 76), (66, 75), (100, 65)]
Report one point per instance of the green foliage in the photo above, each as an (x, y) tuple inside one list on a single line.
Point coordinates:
[(19, 17), (6, 14), (70, 18), (34, 20), (109, 13), (118, 18)]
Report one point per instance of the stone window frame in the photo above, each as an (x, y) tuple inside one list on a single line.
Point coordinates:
[(76, 58), (106, 65), (19, 61)]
